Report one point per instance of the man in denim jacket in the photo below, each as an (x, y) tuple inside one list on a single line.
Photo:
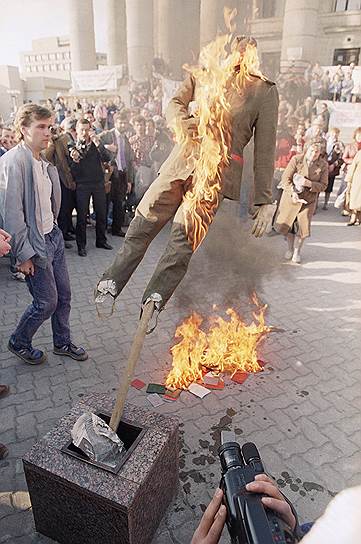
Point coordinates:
[(29, 206)]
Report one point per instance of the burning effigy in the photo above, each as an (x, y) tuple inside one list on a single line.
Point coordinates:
[(224, 101), (215, 80)]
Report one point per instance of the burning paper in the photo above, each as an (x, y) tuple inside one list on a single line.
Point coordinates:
[(229, 345)]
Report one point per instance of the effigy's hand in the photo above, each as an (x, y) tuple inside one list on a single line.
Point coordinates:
[(263, 219)]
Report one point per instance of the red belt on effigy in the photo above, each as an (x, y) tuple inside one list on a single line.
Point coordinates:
[(237, 158)]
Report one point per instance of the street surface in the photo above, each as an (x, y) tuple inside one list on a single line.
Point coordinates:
[(303, 411)]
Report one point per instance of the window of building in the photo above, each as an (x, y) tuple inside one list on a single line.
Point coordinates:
[(58, 56), (268, 9), (37, 57), (28, 68), (53, 67), (67, 66), (52, 56), (347, 5), (346, 56)]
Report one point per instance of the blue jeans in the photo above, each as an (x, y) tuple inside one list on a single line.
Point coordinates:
[(50, 289)]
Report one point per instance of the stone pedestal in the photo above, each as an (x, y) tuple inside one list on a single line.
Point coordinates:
[(77, 503)]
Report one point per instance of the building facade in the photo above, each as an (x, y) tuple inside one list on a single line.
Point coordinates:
[(52, 57), (289, 32), (295, 32)]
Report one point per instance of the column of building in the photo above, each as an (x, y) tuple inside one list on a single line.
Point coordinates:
[(209, 20), (140, 38), (300, 34), (116, 32), (177, 38), (82, 37), (191, 36)]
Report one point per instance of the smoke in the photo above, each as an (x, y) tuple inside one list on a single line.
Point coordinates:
[(231, 264)]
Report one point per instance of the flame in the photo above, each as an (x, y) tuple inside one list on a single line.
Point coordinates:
[(229, 15), (228, 346), (225, 65)]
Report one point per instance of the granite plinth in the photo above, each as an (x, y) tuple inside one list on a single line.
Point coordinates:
[(77, 503)]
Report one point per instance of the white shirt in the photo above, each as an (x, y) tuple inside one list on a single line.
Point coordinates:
[(45, 188), (341, 522)]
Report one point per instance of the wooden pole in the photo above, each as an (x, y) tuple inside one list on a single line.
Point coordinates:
[(132, 361)]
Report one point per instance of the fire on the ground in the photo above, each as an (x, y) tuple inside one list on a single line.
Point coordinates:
[(228, 346)]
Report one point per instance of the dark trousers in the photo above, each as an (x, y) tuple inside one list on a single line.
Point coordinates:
[(83, 194), (50, 289), (68, 203), (117, 197)]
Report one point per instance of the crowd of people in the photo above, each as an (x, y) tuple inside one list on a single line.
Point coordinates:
[(306, 142), (337, 86), (319, 83), (107, 155)]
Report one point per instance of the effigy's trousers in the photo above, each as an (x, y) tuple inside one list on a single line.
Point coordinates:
[(161, 202)]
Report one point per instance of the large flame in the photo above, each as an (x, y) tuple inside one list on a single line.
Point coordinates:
[(228, 346), (225, 65)]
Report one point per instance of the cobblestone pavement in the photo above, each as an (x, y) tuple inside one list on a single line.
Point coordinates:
[(303, 412)]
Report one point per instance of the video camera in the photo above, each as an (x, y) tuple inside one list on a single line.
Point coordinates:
[(80, 146), (248, 521)]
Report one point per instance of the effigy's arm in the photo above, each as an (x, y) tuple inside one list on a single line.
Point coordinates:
[(177, 109), (264, 147)]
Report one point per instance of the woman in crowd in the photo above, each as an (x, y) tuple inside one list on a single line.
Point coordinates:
[(353, 180), (304, 178), (347, 157), (334, 150), (335, 88)]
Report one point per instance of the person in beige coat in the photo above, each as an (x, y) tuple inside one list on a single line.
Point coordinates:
[(353, 180), (253, 113), (303, 179)]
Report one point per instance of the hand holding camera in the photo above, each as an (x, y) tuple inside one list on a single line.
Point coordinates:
[(74, 154), (256, 511), (77, 150)]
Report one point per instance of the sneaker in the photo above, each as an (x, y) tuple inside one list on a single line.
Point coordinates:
[(30, 355), (288, 255), (18, 276), (70, 350), (296, 258), (3, 451)]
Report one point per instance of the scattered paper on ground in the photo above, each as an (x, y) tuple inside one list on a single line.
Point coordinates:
[(155, 400), (198, 390)]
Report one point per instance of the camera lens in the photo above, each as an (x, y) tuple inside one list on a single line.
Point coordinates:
[(230, 456)]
